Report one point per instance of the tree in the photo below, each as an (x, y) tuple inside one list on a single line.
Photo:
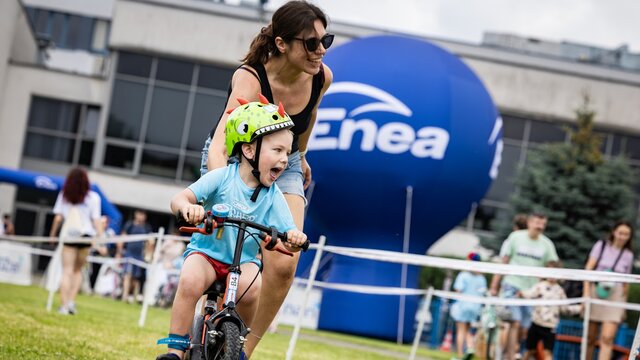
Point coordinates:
[(582, 193)]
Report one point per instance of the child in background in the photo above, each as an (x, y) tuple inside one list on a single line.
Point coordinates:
[(464, 313), (545, 319)]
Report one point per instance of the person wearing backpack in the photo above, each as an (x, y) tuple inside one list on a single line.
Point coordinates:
[(611, 254), (77, 215)]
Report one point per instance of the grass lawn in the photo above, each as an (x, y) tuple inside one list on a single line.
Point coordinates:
[(106, 329)]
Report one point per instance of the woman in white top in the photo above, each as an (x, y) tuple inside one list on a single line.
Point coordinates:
[(77, 209)]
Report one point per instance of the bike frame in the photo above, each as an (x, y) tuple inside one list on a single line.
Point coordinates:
[(213, 319)]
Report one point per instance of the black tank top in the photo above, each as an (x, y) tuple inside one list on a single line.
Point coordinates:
[(301, 119)]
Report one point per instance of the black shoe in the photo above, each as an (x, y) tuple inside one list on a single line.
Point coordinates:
[(168, 356)]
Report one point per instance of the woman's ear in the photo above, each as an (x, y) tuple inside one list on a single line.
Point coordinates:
[(248, 150), (280, 45)]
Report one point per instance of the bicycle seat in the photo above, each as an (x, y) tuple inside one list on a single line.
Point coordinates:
[(217, 288)]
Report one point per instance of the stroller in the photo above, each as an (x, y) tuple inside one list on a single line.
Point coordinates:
[(487, 339), (167, 291)]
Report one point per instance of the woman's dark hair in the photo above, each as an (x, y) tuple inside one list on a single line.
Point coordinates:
[(615, 227), (287, 22), (76, 186)]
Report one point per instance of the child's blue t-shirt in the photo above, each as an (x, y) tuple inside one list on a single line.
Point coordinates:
[(470, 284), (224, 186)]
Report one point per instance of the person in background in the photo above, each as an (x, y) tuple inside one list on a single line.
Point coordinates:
[(528, 247), (135, 250), (519, 222), (465, 313), (615, 254), (545, 319), (7, 225), (77, 210)]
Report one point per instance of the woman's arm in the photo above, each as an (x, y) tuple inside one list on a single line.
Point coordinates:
[(586, 287), (55, 225), (243, 85), (303, 140)]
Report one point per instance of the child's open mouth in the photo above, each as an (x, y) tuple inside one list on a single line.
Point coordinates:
[(275, 173)]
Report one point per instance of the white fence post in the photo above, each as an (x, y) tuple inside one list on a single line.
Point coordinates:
[(150, 277), (635, 348), (423, 318), (585, 328), (53, 273), (305, 300)]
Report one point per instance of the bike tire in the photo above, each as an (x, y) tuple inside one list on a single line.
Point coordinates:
[(196, 352), (232, 345)]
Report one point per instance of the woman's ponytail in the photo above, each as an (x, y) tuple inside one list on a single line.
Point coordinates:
[(261, 47)]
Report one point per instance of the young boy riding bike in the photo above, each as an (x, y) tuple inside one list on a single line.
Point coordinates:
[(258, 134)]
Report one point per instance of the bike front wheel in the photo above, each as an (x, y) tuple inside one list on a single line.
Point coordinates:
[(232, 346)]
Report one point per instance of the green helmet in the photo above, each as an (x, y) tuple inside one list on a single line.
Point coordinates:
[(252, 120)]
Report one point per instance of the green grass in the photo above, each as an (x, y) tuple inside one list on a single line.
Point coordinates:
[(107, 329)]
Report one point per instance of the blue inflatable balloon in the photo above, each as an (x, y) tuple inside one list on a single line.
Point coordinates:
[(402, 116)]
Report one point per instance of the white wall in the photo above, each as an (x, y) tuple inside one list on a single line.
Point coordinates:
[(557, 95), (200, 35), (91, 8)]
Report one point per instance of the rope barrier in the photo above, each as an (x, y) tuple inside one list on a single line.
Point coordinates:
[(79, 240), (383, 290), (393, 257), (483, 267)]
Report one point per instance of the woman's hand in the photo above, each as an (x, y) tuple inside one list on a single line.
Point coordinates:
[(306, 171)]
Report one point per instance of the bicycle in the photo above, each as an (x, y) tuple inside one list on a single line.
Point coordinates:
[(220, 333)]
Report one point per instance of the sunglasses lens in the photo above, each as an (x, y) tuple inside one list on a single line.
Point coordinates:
[(312, 44), (327, 40)]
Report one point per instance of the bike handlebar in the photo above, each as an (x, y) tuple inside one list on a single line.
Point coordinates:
[(267, 234)]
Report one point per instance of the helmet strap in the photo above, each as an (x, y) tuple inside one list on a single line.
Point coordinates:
[(254, 164)]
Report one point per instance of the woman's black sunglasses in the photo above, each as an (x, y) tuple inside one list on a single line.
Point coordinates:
[(312, 44)]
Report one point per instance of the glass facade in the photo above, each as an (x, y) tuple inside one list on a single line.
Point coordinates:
[(69, 31), (61, 131), (161, 113), (520, 136)]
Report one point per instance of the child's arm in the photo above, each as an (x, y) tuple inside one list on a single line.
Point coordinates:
[(185, 202), (295, 239), (531, 293)]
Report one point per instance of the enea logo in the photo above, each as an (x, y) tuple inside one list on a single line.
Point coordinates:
[(394, 137), (43, 182)]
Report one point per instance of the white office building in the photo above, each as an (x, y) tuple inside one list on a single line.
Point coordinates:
[(130, 88)]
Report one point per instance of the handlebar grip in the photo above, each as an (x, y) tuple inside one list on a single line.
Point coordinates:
[(305, 246)]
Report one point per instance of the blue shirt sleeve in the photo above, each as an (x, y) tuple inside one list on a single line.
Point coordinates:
[(461, 281), (208, 184)]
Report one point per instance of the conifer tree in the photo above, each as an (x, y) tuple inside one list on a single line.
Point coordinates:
[(582, 193)]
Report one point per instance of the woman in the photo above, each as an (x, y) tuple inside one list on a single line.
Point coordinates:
[(284, 63), (612, 254), (77, 209)]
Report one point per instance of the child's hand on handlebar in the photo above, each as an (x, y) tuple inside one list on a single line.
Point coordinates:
[(193, 213), (295, 239)]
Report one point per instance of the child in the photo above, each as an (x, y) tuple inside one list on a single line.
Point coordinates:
[(464, 313), (259, 134), (545, 319)]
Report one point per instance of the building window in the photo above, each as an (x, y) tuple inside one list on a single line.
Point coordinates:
[(161, 113), (68, 31), (61, 131)]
